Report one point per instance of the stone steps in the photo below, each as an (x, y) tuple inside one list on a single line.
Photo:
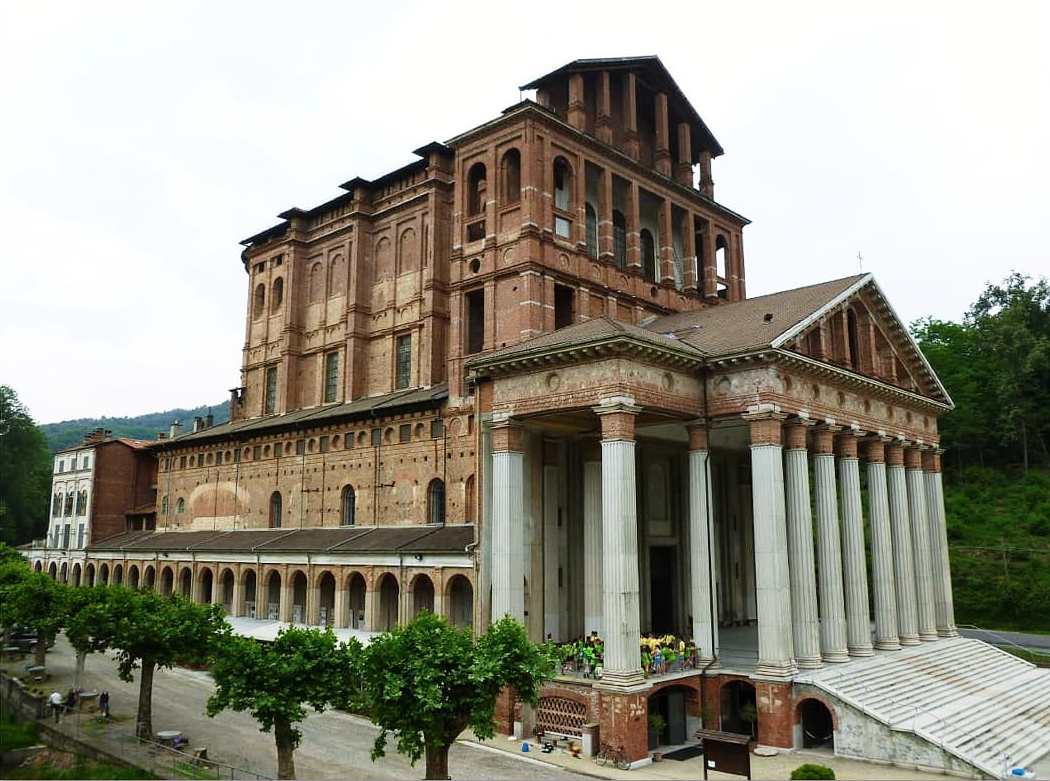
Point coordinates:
[(974, 701)]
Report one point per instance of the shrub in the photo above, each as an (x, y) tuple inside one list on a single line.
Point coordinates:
[(811, 770), (14, 734)]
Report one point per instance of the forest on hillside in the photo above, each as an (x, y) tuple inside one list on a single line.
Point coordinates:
[(59, 436)]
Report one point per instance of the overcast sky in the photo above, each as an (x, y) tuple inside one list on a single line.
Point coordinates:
[(141, 143)]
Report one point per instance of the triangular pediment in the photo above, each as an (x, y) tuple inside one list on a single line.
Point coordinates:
[(859, 330)]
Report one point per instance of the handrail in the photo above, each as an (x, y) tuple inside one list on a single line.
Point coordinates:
[(1005, 640)]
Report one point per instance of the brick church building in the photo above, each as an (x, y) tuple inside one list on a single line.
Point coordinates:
[(521, 376)]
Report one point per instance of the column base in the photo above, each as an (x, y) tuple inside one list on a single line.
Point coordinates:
[(928, 637), (949, 632), (835, 657), (887, 645), (633, 680), (776, 671), (861, 650), (910, 640), (809, 663)]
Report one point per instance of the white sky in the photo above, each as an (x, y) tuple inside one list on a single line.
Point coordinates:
[(141, 143)]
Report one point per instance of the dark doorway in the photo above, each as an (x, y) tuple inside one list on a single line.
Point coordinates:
[(818, 728), (739, 708), (670, 705), (662, 590), (475, 321), (563, 306)]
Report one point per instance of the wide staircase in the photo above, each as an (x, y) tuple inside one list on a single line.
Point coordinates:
[(972, 700)]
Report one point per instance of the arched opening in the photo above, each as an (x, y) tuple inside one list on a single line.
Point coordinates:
[(52, 570), (185, 583), (739, 708), (816, 723), (149, 577), (273, 596), (648, 254), (460, 602), (510, 176), (259, 303), (476, 187), (348, 505), (436, 501), (620, 239), (76, 574), (63, 574), (298, 598), (326, 599), (250, 597), (167, 582), (592, 231), (315, 284), (672, 705), (356, 602), (226, 590), (275, 510), (721, 263), (133, 576), (388, 598), (118, 574), (422, 595), (468, 501), (207, 585), (103, 574), (277, 294), (89, 574), (38, 567)]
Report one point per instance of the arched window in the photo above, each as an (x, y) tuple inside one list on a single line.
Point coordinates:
[(82, 503), (468, 500), (68, 510), (164, 505), (648, 255), (721, 263), (592, 231), (275, 510), (180, 506), (316, 282), (260, 300), (476, 188), (510, 175), (562, 184), (620, 239), (436, 501), (348, 505), (56, 504), (277, 294)]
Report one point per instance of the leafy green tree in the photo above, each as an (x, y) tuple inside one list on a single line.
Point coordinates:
[(149, 631), (85, 613), (277, 681), (426, 682), (10, 555), (38, 602), (25, 472)]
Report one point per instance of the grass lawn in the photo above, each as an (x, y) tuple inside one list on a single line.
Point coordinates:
[(87, 770), (15, 734)]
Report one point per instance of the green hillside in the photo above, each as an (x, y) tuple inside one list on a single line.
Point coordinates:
[(69, 432)]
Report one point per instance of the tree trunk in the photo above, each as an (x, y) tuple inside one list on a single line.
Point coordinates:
[(437, 762), (40, 650), (144, 722), (79, 674), (282, 732)]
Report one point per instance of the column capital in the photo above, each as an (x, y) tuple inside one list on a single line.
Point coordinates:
[(698, 434), (765, 427), (796, 431), (875, 449), (931, 460), (617, 414), (912, 457), (895, 452), (824, 439), (846, 442), (507, 435)]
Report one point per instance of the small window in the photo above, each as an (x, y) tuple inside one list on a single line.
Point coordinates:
[(85, 464), (271, 391), (182, 462), (277, 294), (237, 455), (277, 260), (256, 452), (404, 361), (592, 231), (331, 377), (180, 506), (260, 301), (349, 501), (404, 432), (563, 227), (620, 239), (377, 437), (510, 174), (349, 440), (437, 428), (436, 501), (648, 255), (300, 447), (475, 321), (218, 457), (164, 505), (563, 306), (562, 185), (476, 188), (275, 510), (322, 444)]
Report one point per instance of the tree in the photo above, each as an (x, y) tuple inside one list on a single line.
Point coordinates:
[(25, 472), (38, 602), (426, 682), (151, 631), (10, 555), (85, 613), (275, 682)]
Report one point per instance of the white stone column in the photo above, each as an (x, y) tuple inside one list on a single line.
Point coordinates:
[(772, 579), (883, 582), (341, 619), (920, 536), (829, 548), (701, 546), (236, 609), (551, 591), (854, 564), (942, 573), (593, 594), (804, 621), (623, 667), (370, 607), (904, 568), (508, 521)]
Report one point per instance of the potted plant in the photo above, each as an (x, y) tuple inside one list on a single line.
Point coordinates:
[(749, 714), (657, 724)]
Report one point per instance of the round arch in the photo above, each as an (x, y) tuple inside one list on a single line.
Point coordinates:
[(75, 574), (356, 586), (167, 581), (133, 576), (52, 570), (149, 577), (815, 724), (89, 574), (185, 582), (459, 601), (63, 574), (205, 585), (389, 594), (739, 708), (273, 595), (422, 590), (325, 583), (38, 566), (249, 593), (299, 583), (103, 574), (118, 574), (226, 587)]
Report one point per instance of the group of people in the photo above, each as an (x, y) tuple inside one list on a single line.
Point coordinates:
[(60, 704)]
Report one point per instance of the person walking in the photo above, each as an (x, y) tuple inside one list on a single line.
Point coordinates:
[(57, 705), (103, 704)]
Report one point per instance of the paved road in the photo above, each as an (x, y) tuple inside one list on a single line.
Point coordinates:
[(334, 745), (1023, 639)]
